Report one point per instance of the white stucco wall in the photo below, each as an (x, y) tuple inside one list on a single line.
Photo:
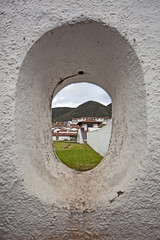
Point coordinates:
[(43, 46), (79, 137), (95, 125), (54, 138), (62, 138), (93, 129), (99, 140), (84, 125)]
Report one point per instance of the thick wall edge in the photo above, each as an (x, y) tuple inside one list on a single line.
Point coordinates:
[(52, 63), (127, 206)]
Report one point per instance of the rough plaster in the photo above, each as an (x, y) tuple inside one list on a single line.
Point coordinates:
[(99, 140), (116, 44)]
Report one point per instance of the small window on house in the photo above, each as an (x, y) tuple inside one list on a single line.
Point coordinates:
[(81, 125)]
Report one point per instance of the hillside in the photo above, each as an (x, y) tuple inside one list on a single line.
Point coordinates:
[(87, 109), (59, 111)]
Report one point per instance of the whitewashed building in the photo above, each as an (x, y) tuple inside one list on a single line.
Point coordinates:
[(85, 126), (104, 120), (62, 132), (64, 136)]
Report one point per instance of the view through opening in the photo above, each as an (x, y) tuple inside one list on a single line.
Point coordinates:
[(53, 62), (81, 125)]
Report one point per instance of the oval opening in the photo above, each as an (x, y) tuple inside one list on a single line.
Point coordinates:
[(107, 60), (81, 125)]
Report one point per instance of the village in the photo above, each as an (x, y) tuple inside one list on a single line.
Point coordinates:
[(77, 129)]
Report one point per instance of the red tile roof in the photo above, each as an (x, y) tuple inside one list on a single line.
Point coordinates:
[(74, 125), (64, 134), (60, 125), (102, 125), (88, 121)]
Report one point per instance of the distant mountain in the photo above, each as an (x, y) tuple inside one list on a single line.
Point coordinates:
[(87, 109), (59, 111)]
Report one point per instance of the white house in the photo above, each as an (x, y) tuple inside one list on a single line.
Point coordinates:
[(104, 120), (85, 126), (62, 136), (61, 132)]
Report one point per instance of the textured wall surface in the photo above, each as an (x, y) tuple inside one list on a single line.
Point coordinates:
[(99, 140), (43, 46)]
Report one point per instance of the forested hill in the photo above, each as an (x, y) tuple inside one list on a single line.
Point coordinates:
[(87, 109)]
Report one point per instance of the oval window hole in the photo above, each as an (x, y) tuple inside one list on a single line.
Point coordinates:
[(81, 125)]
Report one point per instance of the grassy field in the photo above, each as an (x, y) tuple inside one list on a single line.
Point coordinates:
[(77, 156)]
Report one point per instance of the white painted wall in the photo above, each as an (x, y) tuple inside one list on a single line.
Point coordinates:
[(99, 140), (93, 129), (84, 125), (116, 44), (79, 137), (62, 138)]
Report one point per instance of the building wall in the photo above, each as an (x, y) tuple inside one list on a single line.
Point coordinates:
[(84, 125), (54, 138), (62, 138), (44, 44), (93, 129), (79, 137), (99, 140)]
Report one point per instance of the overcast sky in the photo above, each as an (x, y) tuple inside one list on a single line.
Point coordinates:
[(77, 93)]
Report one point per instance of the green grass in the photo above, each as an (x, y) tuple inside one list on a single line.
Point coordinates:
[(77, 156)]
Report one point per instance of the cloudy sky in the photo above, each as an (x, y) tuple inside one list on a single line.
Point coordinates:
[(77, 93)]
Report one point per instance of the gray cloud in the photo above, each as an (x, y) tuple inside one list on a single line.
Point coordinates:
[(75, 94)]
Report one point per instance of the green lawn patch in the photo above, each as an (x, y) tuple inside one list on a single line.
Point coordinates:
[(77, 156)]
